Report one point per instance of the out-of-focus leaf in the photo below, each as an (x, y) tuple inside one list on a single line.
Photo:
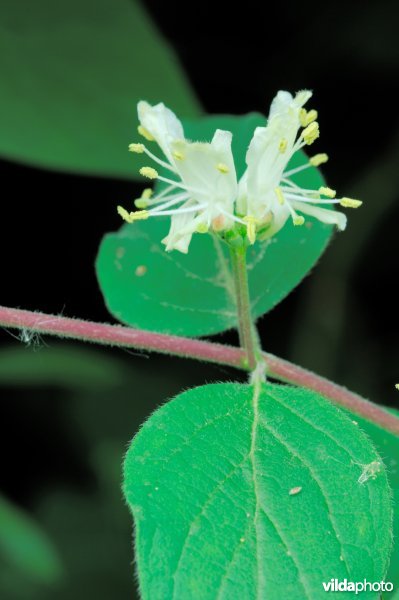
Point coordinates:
[(71, 367), (25, 550), (72, 73), (239, 494), (193, 294)]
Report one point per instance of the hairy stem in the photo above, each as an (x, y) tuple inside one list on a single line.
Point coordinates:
[(248, 339), (117, 335)]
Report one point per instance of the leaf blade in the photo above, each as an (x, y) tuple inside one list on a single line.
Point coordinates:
[(208, 480), (71, 106)]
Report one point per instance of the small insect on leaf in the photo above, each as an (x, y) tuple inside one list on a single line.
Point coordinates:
[(370, 471)]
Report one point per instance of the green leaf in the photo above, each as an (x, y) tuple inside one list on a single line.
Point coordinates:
[(192, 294), (211, 481), (387, 445), (61, 365), (25, 550), (72, 73)]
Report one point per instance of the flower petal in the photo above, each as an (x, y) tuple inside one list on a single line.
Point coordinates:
[(208, 170), (182, 227), (162, 124), (331, 217)]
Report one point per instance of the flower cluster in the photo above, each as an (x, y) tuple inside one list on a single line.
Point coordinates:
[(203, 194)]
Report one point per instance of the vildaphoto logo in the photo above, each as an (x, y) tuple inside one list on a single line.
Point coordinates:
[(335, 585)]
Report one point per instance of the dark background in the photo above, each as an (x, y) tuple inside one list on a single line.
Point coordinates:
[(62, 446)]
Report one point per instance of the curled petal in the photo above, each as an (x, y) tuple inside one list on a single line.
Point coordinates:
[(331, 217), (161, 123)]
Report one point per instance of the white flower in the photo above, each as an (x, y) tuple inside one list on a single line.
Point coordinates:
[(201, 192), (266, 191)]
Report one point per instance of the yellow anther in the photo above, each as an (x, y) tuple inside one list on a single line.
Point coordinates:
[(126, 215), (307, 117), (350, 203), (282, 147), (137, 148), (311, 133), (141, 203), (149, 172), (326, 191), (178, 155), (132, 216), (202, 228), (251, 223), (145, 133), (147, 193), (222, 168), (280, 195), (298, 220), (318, 159)]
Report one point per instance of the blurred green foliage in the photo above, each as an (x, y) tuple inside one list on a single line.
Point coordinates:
[(28, 558), (72, 74), (104, 399)]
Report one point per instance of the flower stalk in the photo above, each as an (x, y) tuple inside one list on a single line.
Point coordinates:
[(247, 336)]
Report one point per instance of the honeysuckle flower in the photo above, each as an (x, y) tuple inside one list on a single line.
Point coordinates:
[(267, 193), (202, 193), (202, 189)]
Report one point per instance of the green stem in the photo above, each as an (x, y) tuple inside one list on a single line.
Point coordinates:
[(246, 329)]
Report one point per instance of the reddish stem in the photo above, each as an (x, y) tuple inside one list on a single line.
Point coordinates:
[(118, 335)]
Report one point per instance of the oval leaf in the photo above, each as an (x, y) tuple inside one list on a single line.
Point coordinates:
[(192, 294), (387, 445), (71, 75), (239, 494)]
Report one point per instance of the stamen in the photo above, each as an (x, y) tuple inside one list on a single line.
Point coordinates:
[(142, 202), (177, 211), (350, 203), (296, 170), (147, 193), (222, 168), (307, 117), (137, 148), (132, 216), (309, 200), (251, 223), (159, 160), (148, 172), (280, 195), (298, 220), (282, 147), (176, 184), (202, 228), (326, 191), (170, 202), (126, 215), (145, 133), (178, 155), (311, 133), (318, 159)]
